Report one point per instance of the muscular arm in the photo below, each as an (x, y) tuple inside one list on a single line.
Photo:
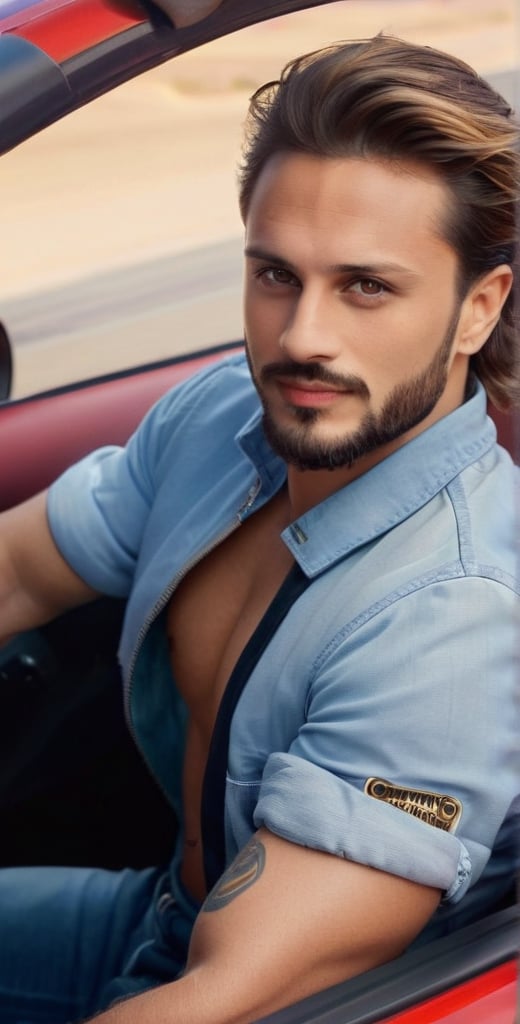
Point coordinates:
[(283, 922), (35, 581)]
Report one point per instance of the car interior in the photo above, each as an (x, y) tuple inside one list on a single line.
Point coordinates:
[(73, 788)]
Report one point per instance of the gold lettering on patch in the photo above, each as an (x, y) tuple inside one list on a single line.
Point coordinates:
[(435, 809)]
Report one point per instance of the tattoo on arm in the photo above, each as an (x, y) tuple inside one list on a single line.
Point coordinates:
[(245, 870)]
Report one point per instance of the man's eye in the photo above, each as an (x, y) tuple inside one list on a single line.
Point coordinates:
[(368, 287), (277, 275)]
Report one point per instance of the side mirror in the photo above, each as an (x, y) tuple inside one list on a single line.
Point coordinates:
[(6, 364)]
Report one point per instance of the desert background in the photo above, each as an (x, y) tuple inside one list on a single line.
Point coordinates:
[(120, 233)]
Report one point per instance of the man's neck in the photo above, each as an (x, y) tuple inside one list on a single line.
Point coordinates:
[(307, 488)]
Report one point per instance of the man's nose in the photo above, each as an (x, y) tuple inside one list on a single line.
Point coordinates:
[(311, 332)]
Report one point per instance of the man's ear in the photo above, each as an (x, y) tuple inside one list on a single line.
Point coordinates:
[(481, 309)]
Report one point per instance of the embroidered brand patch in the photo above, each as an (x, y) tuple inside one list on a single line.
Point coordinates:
[(435, 809)]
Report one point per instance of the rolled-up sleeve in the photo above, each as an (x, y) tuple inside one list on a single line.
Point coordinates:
[(98, 509), (96, 513), (299, 799), (420, 696)]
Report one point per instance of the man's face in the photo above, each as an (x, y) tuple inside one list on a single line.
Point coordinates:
[(351, 307)]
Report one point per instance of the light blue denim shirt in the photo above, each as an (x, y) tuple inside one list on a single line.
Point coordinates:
[(380, 724)]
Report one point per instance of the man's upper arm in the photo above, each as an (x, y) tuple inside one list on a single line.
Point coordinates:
[(83, 536), (283, 922), (290, 921), (36, 583), (407, 757)]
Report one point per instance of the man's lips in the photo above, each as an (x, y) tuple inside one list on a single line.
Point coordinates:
[(308, 393), (311, 384)]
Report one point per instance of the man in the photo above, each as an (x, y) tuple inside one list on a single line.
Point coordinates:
[(327, 693)]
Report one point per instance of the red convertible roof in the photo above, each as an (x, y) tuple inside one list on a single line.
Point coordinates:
[(56, 55), (64, 28)]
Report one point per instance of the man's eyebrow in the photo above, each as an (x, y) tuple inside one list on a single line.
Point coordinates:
[(267, 257), (374, 269)]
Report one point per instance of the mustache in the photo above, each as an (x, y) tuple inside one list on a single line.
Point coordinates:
[(315, 372)]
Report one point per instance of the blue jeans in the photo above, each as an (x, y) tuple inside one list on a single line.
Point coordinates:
[(74, 940)]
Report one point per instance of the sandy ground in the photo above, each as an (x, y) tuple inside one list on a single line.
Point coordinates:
[(150, 169)]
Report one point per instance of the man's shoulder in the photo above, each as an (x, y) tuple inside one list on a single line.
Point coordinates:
[(227, 377), (221, 398)]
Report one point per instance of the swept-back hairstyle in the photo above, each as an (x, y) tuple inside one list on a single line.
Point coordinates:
[(390, 99)]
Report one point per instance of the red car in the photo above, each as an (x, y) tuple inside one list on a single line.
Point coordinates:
[(56, 55)]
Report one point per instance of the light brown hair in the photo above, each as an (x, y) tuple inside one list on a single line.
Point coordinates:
[(390, 99)]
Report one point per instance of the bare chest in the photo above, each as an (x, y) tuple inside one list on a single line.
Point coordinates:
[(210, 620), (218, 606)]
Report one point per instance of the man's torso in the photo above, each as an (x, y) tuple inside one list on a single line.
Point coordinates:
[(210, 619), (382, 662)]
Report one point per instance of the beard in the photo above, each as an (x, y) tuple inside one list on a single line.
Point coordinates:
[(407, 404)]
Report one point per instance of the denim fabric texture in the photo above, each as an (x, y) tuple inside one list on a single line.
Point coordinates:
[(399, 662), (65, 934)]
